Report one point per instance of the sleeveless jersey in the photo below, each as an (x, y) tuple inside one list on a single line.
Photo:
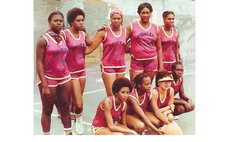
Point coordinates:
[(143, 41), (165, 101), (55, 66), (145, 102), (99, 119), (176, 86), (76, 56), (168, 45), (114, 49)]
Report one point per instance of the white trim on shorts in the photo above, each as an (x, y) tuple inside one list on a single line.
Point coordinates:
[(169, 62), (57, 84), (51, 78), (78, 71), (143, 59), (78, 77), (102, 71)]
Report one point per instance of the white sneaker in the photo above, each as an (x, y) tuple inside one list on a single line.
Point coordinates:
[(79, 126), (176, 117)]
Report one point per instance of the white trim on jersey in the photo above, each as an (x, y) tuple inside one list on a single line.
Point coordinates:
[(166, 33)]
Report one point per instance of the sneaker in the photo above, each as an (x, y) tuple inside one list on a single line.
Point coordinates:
[(68, 133), (176, 117), (79, 126)]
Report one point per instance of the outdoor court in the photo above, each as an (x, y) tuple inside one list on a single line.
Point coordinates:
[(94, 92)]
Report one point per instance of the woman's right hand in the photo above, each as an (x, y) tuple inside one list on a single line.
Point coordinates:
[(46, 92), (134, 132), (160, 131), (103, 27)]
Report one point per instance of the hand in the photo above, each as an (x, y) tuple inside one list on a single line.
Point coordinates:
[(46, 93), (134, 132), (103, 27), (160, 131)]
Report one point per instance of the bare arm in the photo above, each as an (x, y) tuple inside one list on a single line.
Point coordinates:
[(96, 42), (181, 92), (128, 32), (109, 120), (88, 41), (40, 51), (159, 52), (123, 116), (139, 112), (177, 49)]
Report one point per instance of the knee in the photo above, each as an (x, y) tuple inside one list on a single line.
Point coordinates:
[(79, 104), (47, 111), (173, 129), (180, 109), (139, 128), (192, 107), (170, 117)]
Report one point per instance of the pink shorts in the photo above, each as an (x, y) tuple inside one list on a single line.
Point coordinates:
[(55, 83), (113, 70), (141, 65), (78, 75), (168, 66)]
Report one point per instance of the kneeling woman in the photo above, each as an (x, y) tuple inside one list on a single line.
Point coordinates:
[(110, 118), (162, 105), (138, 115)]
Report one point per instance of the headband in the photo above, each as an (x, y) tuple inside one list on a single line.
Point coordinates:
[(116, 11), (167, 78)]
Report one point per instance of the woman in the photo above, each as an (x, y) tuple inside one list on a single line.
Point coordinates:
[(182, 104), (145, 50), (169, 40), (114, 44), (138, 114), (162, 104), (110, 118), (53, 73), (76, 41)]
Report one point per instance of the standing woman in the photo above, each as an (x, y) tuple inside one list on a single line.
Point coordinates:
[(110, 118), (169, 41), (114, 44), (53, 73), (76, 41), (145, 50)]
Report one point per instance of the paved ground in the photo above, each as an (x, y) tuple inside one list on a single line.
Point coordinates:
[(95, 91)]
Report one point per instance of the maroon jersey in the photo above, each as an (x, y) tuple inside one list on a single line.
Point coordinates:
[(165, 101), (145, 102), (99, 119), (176, 85)]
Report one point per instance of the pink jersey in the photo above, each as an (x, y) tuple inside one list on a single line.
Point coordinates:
[(114, 49), (168, 45), (143, 41), (99, 119), (176, 85), (145, 102), (165, 101), (76, 56), (55, 66)]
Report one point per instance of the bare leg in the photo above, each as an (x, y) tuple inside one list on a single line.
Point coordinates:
[(108, 81), (133, 74), (135, 123), (47, 108), (151, 74), (156, 122), (64, 98)]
